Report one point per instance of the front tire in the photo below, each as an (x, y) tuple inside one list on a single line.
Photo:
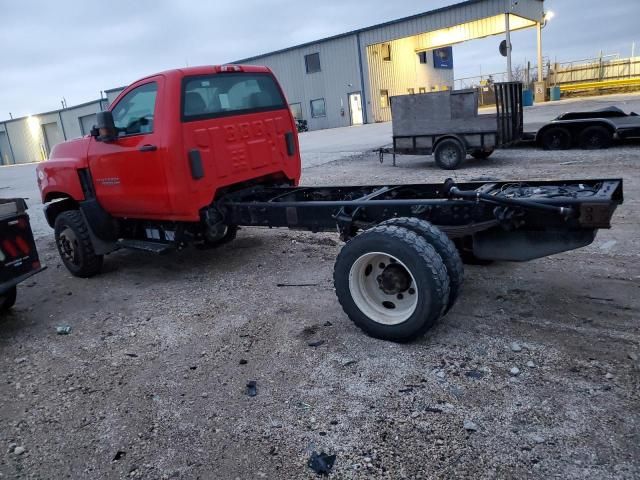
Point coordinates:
[(8, 299), (75, 246), (391, 283)]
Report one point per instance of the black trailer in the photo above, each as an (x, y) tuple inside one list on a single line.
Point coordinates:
[(592, 130), (404, 270), (447, 124), (18, 255)]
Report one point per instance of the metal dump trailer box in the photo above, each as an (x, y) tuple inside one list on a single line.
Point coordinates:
[(447, 124)]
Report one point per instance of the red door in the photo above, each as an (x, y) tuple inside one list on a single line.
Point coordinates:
[(129, 173)]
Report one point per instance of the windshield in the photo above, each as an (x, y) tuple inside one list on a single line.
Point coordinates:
[(229, 94)]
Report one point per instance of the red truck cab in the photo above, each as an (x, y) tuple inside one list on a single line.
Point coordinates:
[(179, 139)]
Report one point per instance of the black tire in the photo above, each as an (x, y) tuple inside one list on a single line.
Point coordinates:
[(74, 245), (481, 154), (449, 154), (229, 235), (425, 287), (595, 138), (445, 248), (8, 299), (556, 138)]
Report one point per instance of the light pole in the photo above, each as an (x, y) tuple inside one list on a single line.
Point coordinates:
[(540, 25), (508, 30)]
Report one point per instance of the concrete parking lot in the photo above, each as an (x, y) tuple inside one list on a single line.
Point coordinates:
[(151, 382)]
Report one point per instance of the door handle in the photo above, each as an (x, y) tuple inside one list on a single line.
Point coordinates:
[(148, 148)]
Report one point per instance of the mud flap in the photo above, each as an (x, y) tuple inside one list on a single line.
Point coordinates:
[(524, 245)]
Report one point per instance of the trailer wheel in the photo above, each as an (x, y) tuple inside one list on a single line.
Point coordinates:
[(556, 138), (449, 154), (8, 299), (74, 245), (391, 283), (443, 246), (595, 138), (481, 154)]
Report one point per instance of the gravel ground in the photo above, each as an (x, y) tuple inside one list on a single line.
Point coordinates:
[(151, 381)]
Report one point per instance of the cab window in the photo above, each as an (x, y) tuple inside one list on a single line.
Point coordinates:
[(210, 96), (134, 114)]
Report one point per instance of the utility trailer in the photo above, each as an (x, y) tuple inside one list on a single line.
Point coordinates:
[(18, 255), (218, 150), (447, 124), (592, 130)]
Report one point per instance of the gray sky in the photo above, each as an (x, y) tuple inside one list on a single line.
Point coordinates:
[(72, 49)]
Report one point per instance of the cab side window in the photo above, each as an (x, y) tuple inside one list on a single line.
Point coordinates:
[(134, 114)]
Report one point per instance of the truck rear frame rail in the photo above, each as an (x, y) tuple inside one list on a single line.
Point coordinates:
[(458, 209)]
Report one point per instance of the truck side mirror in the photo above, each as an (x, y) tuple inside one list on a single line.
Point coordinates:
[(105, 130)]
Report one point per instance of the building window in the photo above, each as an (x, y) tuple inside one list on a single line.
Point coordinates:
[(296, 110), (318, 109), (312, 62), (386, 52), (422, 90), (384, 98), (412, 91), (423, 57)]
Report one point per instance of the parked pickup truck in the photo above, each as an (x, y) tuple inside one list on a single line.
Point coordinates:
[(18, 254), (186, 156)]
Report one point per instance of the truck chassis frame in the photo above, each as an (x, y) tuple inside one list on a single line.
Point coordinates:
[(459, 210)]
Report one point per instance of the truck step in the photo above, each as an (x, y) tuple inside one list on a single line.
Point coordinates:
[(153, 247)]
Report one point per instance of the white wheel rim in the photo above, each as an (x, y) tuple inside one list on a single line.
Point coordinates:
[(391, 302)]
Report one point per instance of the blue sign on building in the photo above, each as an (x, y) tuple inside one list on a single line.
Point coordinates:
[(443, 58)]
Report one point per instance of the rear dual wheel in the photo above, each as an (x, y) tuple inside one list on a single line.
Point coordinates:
[(393, 283)]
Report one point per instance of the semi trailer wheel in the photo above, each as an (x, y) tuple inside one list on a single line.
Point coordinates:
[(443, 246), (556, 138), (8, 299), (391, 283), (595, 138), (449, 154), (74, 245)]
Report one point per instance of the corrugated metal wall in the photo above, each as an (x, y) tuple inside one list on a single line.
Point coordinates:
[(32, 138), (339, 76), (112, 94), (402, 73), (340, 59), (446, 18)]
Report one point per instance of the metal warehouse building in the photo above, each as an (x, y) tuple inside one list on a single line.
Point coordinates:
[(338, 81), (348, 79)]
